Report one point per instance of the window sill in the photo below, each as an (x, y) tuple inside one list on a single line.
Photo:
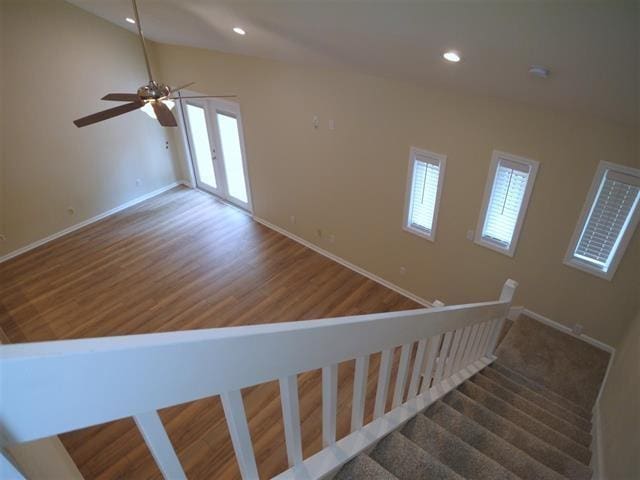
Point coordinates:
[(420, 233), (509, 252), (585, 267)]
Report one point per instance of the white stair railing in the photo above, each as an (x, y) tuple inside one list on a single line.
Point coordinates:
[(50, 388)]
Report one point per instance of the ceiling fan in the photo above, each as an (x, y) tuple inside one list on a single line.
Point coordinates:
[(155, 99)]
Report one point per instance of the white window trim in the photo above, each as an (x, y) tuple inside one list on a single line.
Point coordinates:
[(533, 171), (442, 161), (569, 259)]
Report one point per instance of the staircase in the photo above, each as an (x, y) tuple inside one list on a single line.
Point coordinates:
[(454, 410), (496, 425)]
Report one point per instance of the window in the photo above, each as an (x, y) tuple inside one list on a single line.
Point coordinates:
[(609, 217), (506, 197), (424, 186)]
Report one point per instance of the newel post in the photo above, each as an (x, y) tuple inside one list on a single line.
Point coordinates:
[(506, 295)]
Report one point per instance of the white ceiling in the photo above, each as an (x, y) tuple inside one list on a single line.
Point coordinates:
[(591, 47)]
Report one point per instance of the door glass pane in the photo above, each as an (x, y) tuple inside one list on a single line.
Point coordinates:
[(201, 146), (232, 154)]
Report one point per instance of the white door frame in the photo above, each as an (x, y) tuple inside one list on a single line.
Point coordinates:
[(213, 106)]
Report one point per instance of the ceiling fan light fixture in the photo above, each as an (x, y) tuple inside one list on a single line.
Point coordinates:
[(148, 108), (451, 56), (130, 20), (239, 31), (539, 71)]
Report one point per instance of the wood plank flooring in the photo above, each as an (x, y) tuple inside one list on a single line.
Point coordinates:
[(184, 260)]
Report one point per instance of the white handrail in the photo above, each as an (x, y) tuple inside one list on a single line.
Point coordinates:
[(54, 387)]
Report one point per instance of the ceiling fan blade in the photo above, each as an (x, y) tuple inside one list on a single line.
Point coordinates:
[(182, 87), (106, 114), (164, 115), (121, 97), (202, 96)]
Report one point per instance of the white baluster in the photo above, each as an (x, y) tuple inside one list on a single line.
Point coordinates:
[(329, 404), (485, 338), (291, 418), (481, 333), (433, 346), (359, 392), (157, 440), (239, 431), (494, 324), (457, 362), (417, 369), (442, 357), (401, 378), (383, 383), (455, 345), (473, 335)]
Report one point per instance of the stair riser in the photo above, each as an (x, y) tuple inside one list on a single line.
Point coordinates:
[(538, 399), (493, 446), (552, 396), (526, 422), (404, 459), (450, 450), (530, 444), (533, 410)]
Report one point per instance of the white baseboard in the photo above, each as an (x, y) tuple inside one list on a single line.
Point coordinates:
[(345, 263), (89, 221)]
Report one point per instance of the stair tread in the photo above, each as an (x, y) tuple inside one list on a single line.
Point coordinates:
[(407, 461), (364, 467), (538, 399), (533, 410), (452, 451), (550, 394), (490, 444), (527, 422), (535, 447)]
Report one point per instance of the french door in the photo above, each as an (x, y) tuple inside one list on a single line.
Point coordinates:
[(216, 146)]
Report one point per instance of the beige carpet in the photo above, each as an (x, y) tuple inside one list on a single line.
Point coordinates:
[(560, 362)]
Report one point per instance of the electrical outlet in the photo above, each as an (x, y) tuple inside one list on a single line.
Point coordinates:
[(71, 211), (332, 238), (332, 124), (403, 270), (316, 121), (166, 145), (2, 238), (138, 182), (470, 235)]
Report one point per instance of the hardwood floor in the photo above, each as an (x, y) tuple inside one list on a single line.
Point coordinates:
[(184, 260)]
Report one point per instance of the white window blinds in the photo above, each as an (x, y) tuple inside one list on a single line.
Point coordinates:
[(505, 202), (608, 219), (424, 188)]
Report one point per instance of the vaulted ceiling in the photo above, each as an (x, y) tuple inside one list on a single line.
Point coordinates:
[(591, 47)]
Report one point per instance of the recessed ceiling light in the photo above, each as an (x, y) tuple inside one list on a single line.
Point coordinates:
[(239, 31), (539, 71), (130, 20), (451, 56)]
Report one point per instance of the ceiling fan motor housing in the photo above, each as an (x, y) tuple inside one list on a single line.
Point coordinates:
[(153, 91)]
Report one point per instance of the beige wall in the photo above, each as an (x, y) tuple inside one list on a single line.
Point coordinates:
[(620, 412), (57, 61), (348, 182), (351, 181)]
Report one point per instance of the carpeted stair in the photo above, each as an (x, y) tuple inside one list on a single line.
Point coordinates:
[(497, 425)]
